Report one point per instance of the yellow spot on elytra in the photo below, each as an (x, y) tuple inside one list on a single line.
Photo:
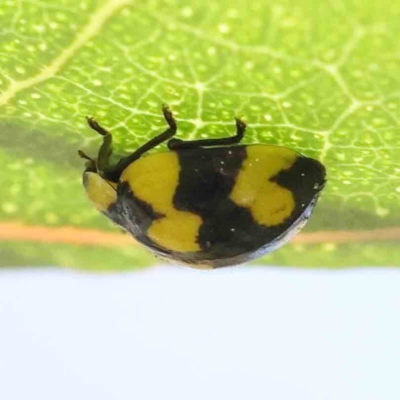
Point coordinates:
[(269, 203), (154, 179), (178, 231)]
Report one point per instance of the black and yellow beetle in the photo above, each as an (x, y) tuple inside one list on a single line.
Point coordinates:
[(207, 203)]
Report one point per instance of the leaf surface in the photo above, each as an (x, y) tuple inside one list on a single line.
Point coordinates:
[(323, 79)]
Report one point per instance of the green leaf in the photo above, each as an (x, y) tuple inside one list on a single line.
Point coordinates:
[(321, 78)]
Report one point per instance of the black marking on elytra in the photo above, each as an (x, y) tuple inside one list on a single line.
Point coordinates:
[(207, 177), (305, 179), (135, 215)]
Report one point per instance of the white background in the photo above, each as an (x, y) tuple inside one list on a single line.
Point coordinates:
[(176, 333)]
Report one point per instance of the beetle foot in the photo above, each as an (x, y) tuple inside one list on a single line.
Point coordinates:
[(240, 124), (96, 126), (169, 117)]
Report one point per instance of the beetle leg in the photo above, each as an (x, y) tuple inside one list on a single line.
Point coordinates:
[(177, 144), (106, 147), (113, 173)]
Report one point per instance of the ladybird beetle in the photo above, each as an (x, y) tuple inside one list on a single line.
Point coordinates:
[(208, 203)]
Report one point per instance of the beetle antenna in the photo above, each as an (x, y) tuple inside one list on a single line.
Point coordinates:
[(91, 164), (84, 155)]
